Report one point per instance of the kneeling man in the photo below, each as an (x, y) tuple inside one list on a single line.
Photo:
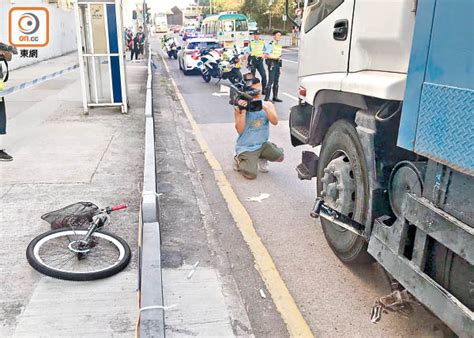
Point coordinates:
[(253, 149)]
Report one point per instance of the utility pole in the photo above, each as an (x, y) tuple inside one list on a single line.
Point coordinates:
[(270, 3), (210, 6)]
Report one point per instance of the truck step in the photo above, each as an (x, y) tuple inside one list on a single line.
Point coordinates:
[(303, 172), (301, 133)]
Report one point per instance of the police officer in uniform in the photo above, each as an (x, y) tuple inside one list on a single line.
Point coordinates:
[(273, 58), (257, 51)]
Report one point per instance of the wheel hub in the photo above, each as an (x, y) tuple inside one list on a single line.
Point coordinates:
[(338, 185), (79, 246), (404, 180)]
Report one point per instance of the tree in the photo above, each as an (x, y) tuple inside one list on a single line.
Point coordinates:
[(222, 5), (258, 10), (255, 10)]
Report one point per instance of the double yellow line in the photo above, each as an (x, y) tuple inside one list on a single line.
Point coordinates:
[(284, 302)]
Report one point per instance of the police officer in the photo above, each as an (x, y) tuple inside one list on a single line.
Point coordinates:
[(257, 52), (273, 57)]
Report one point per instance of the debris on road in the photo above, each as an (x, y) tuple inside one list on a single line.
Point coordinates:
[(397, 301), (258, 199), (193, 270), (262, 294)]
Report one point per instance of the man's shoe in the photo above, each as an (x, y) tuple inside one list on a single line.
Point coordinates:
[(235, 164), (4, 156), (263, 165), (276, 99)]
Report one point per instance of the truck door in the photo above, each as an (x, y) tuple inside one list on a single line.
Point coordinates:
[(325, 37)]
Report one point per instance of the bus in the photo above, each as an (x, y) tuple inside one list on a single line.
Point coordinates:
[(230, 29)]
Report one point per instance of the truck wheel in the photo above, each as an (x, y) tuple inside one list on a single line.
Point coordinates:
[(343, 184)]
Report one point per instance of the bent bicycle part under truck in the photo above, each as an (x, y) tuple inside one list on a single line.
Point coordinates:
[(392, 107)]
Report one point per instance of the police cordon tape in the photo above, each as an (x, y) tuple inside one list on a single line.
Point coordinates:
[(29, 84)]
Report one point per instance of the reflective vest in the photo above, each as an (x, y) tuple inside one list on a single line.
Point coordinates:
[(257, 48), (276, 52)]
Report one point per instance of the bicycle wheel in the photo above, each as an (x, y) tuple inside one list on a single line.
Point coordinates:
[(62, 254)]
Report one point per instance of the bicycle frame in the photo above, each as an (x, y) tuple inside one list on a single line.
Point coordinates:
[(99, 221)]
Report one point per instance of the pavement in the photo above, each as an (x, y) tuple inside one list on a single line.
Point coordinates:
[(334, 299), (62, 156)]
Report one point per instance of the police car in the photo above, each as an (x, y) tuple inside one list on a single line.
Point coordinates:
[(189, 33), (188, 57)]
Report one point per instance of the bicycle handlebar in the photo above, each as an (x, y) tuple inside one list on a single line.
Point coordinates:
[(119, 207), (116, 208)]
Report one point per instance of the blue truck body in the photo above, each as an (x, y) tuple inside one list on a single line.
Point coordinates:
[(438, 111), (437, 123)]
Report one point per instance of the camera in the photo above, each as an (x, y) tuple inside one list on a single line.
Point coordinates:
[(244, 91), (7, 48)]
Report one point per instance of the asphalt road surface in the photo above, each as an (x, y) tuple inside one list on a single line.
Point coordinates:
[(334, 299)]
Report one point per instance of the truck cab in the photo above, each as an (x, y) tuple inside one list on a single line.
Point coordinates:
[(386, 89)]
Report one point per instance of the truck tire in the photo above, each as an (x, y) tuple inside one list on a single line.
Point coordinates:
[(343, 184)]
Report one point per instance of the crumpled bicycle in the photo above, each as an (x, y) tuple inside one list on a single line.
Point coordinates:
[(77, 248)]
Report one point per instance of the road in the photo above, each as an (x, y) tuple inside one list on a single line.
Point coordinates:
[(334, 299)]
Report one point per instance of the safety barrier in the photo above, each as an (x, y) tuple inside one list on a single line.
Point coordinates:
[(151, 316)]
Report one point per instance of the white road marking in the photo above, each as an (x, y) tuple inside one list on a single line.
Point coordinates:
[(291, 96), (291, 61), (225, 89), (220, 94)]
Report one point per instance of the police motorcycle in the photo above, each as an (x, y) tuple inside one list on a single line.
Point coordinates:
[(221, 66), (170, 47)]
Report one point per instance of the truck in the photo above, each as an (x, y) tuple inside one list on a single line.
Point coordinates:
[(386, 93)]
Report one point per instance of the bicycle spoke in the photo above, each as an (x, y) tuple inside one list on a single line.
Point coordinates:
[(57, 258), (67, 261)]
